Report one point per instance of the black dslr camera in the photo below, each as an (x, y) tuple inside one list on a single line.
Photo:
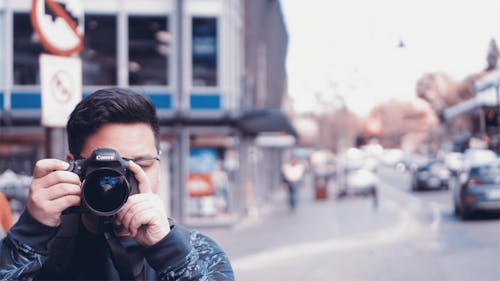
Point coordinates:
[(106, 181)]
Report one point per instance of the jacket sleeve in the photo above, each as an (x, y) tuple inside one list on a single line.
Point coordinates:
[(24, 250), (185, 255)]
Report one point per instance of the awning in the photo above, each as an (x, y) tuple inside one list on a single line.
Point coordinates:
[(268, 120), (250, 123), (487, 97)]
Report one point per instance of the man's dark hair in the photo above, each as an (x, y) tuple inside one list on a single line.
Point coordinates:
[(112, 105)]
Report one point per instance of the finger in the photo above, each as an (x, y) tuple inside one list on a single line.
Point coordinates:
[(131, 201), (121, 231), (65, 202), (142, 217), (45, 166), (61, 177), (132, 209), (118, 227), (39, 186), (62, 189), (142, 178)]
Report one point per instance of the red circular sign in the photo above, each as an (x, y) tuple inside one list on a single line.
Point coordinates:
[(59, 24)]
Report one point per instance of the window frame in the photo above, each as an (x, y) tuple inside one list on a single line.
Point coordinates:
[(169, 58), (189, 66)]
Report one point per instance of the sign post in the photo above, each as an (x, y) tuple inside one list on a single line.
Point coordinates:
[(59, 24)]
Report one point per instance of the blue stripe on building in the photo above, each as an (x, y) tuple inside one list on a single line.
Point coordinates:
[(24, 100), (1, 101), (205, 101), (161, 100)]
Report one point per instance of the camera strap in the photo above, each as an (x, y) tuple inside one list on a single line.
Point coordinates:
[(130, 264)]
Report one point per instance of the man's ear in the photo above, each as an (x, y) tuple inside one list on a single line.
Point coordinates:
[(70, 157)]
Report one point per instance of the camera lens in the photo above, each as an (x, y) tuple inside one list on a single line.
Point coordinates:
[(105, 191)]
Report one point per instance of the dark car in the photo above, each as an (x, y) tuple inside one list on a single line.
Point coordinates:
[(430, 174), (479, 189)]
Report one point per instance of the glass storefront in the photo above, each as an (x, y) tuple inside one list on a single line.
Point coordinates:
[(149, 50), (100, 49), (209, 183), (204, 51), (26, 49)]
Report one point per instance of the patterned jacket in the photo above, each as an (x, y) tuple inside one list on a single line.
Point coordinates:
[(33, 251)]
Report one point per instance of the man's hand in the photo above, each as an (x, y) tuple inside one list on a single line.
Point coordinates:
[(143, 216), (52, 191)]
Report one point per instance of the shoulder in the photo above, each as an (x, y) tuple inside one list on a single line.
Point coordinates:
[(188, 254), (202, 243), (207, 253)]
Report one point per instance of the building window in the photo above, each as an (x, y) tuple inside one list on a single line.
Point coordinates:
[(2, 55), (149, 50), (99, 54), (27, 48), (204, 51)]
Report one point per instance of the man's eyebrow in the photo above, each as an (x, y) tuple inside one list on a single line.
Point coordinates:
[(144, 157)]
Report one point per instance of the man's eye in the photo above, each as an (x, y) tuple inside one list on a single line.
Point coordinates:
[(145, 163)]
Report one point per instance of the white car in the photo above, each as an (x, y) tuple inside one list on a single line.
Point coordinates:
[(360, 179)]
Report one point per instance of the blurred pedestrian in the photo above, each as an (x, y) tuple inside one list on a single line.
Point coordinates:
[(293, 172), (220, 183), (5, 215)]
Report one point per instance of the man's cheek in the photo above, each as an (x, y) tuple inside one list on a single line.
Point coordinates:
[(154, 179)]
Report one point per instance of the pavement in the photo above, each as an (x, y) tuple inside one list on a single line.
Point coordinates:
[(276, 232)]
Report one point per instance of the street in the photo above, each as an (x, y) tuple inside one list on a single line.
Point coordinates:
[(409, 236)]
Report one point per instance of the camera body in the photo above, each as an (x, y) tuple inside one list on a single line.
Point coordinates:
[(106, 181)]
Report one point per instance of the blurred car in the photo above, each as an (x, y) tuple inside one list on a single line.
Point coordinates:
[(454, 161), (430, 174), (409, 160), (391, 157), (479, 189), (477, 156), (361, 179)]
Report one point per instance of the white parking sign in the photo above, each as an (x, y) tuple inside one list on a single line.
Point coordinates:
[(61, 83)]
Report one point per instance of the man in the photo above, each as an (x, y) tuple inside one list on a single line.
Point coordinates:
[(293, 172), (47, 244)]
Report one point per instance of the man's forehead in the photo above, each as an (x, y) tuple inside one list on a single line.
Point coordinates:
[(129, 140)]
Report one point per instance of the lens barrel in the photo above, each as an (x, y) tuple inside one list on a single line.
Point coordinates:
[(105, 191)]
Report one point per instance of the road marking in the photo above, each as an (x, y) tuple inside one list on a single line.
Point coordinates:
[(436, 217), (406, 227)]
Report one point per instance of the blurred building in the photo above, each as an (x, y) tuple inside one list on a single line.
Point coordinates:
[(478, 116), (215, 69), (469, 109)]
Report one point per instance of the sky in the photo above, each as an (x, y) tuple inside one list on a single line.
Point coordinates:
[(347, 50)]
